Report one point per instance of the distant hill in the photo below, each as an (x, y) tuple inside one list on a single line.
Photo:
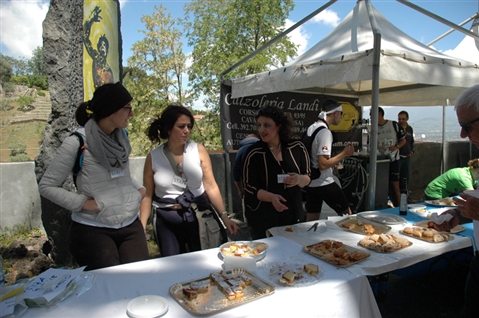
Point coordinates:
[(430, 129)]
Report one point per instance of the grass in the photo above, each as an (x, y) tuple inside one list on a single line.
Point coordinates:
[(29, 133)]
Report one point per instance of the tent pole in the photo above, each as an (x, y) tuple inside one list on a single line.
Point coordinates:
[(438, 18), (443, 164), (370, 204), (276, 38), (451, 30)]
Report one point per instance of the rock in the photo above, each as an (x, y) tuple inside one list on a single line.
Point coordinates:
[(63, 51), (26, 258)]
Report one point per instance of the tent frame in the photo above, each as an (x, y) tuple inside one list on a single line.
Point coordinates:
[(375, 75)]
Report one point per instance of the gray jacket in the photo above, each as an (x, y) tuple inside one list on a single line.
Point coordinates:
[(118, 198)]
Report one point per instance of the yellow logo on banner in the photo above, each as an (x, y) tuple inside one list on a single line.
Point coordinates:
[(350, 116)]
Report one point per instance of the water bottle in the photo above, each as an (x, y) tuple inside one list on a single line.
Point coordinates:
[(365, 140), (403, 201), (2, 274)]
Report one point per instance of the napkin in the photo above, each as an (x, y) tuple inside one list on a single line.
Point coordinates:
[(439, 219), (247, 263)]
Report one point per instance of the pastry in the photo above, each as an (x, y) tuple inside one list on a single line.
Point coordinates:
[(289, 277), (190, 293), (311, 269)]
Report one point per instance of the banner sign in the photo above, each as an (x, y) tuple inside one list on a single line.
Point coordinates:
[(102, 44), (238, 115)]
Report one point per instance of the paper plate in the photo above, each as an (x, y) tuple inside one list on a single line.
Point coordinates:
[(148, 306)]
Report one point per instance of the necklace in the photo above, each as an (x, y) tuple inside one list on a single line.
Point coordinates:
[(278, 151)]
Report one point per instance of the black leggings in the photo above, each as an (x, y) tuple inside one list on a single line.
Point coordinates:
[(98, 247), (176, 234)]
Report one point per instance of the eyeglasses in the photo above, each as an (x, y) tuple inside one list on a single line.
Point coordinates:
[(265, 126), (129, 108), (468, 126)]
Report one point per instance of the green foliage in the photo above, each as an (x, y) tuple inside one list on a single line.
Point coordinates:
[(17, 152), (40, 93), (8, 87), (20, 158), (155, 75), (207, 131), (37, 65), (17, 148), (25, 103), (6, 104), (6, 71), (19, 66), (19, 80), (38, 81), (19, 231), (225, 31), (27, 72)]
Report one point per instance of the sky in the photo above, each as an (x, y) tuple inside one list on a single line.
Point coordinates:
[(21, 26)]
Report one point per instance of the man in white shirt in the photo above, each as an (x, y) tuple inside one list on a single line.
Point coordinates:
[(391, 138), (324, 188)]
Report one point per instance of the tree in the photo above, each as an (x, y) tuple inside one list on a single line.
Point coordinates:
[(222, 32), (36, 65), (155, 74), (6, 71), (19, 66)]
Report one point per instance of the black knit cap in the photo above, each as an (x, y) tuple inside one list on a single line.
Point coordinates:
[(107, 99)]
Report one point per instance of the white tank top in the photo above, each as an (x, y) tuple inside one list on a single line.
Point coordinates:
[(163, 172)]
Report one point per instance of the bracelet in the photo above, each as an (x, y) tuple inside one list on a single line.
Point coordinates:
[(223, 213)]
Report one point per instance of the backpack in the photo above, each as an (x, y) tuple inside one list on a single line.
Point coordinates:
[(79, 159), (308, 142)]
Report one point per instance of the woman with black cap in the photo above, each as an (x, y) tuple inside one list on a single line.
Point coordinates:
[(106, 230)]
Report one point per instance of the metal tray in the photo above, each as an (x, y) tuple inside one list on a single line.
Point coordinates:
[(310, 250), (447, 237), (381, 217), (260, 246), (359, 229), (385, 252), (214, 300), (458, 228)]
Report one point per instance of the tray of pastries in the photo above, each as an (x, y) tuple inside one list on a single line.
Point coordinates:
[(384, 243), (220, 291), (426, 234), (336, 253), (429, 224), (255, 250), (442, 202), (361, 226)]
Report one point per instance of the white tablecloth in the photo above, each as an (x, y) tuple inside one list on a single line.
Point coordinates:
[(338, 294), (377, 263)]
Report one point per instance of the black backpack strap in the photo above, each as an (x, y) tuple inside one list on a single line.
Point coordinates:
[(79, 158)]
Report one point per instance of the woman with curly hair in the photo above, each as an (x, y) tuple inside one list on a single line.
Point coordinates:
[(275, 169)]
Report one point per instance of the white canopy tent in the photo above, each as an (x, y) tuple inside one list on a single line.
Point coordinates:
[(410, 73), (468, 48), (368, 58)]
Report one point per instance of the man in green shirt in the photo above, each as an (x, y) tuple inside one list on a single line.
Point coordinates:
[(454, 181)]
